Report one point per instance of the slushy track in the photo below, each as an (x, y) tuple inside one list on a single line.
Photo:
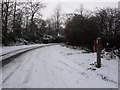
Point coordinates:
[(6, 58)]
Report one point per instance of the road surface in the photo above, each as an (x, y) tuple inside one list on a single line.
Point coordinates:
[(54, 67), (32, 68)]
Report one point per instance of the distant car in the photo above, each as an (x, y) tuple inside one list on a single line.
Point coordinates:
[(48, 39)]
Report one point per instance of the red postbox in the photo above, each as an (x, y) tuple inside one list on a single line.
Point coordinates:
[(94, 46)]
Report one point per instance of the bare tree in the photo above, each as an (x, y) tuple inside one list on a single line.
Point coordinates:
[(80, 10), (35, 8), (5, 17), (19, 21), (83, 12), (57, 18), (67, 17)]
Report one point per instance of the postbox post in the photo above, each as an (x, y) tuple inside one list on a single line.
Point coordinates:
[(98, 53)]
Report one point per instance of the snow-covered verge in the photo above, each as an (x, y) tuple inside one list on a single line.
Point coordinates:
[(105, 77), (60, 67), (9, 49), (19, 49)]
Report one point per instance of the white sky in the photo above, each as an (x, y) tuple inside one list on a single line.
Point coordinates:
[(71, 5), (68, 7)]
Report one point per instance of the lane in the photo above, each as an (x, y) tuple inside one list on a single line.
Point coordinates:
[(21, 51), (10, 57), (32, 68), (57, 67)]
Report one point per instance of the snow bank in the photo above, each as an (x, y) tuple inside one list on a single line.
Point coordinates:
[(14, 48)]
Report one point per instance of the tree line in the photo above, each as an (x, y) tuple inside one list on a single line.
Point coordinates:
[(22, 22), (83, 27)]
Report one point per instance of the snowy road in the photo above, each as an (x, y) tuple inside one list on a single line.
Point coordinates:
[(8, 52), (6, 58), (58, 67)]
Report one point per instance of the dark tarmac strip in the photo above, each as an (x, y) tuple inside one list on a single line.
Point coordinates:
[(11, 58)]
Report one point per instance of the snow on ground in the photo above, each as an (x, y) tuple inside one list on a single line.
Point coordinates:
[(59, 67), (14, 48)]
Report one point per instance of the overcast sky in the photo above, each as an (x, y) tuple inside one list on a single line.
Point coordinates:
[(69, 6)]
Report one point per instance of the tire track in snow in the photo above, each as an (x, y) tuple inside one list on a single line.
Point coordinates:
[(10, 74), (28, 75)]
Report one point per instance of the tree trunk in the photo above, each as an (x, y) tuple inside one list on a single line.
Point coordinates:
[(6, 17)]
